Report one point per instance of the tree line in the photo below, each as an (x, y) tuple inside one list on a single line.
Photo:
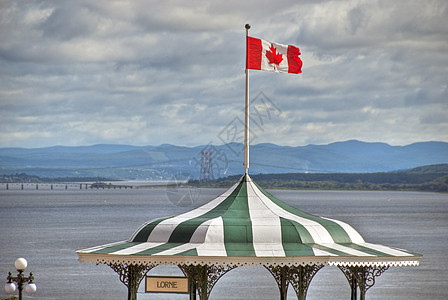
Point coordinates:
[(432, 178)]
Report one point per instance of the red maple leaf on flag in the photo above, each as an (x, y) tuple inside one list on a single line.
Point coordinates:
[(273, 56)]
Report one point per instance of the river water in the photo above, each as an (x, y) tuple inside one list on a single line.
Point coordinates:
[(47, 226)]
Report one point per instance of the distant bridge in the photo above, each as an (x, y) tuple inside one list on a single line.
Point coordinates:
[(61, 186)]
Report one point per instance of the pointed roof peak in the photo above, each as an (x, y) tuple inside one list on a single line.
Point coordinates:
[(246, 177)]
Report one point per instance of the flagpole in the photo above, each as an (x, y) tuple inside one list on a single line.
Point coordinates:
[(246, 117)]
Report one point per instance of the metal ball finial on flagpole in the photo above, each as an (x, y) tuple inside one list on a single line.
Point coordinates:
[(246, 117)]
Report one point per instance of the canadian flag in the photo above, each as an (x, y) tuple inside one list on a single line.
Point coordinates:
[(267, 56)]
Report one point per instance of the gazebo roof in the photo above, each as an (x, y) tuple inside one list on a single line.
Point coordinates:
[(247, 226)]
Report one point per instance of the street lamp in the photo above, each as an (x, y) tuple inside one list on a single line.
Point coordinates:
[(20, 279)]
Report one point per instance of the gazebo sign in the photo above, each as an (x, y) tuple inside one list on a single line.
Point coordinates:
[(164, 284)]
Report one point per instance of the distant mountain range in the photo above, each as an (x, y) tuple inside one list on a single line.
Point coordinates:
[(170, 161)]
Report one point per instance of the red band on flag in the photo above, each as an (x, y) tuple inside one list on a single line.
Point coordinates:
[(294, 62), (253, 55)]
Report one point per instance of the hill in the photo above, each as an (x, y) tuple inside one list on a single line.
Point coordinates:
[(168, 161)]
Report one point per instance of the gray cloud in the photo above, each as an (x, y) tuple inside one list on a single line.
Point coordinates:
[(153, 72)]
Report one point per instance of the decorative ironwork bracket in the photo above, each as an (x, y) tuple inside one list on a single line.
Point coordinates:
[(131, 276), (205, 277), (362, 277), (299, 277)]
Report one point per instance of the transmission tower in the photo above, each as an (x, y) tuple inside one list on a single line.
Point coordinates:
[(206, 166)]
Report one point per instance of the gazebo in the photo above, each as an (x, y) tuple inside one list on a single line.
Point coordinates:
[(248, 226)]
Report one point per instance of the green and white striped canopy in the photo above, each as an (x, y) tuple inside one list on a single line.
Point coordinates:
[(247, 226)]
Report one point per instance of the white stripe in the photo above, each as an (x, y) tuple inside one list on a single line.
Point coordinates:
[(266, 227), (205, 246), (385, 249), (162, 232), (355, 237), (101, 247), (143, 226), (346, 249), (199, 234), (318, 232), (214, 240), (137, 248), (318, 252)]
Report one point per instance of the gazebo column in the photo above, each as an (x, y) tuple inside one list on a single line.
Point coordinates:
[(131, 276), (300, 278), (204, 277), (192, 289), (362, 277), (350, 275), (281, 276)]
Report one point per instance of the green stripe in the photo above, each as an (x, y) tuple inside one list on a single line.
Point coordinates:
[(338, 234), (240, 249), (297, 250), (184, 231), (238, 237), (294, 232), (115, 248), (143, 234), (191, 252)]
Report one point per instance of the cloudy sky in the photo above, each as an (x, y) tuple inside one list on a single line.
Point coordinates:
[(86, 72)]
